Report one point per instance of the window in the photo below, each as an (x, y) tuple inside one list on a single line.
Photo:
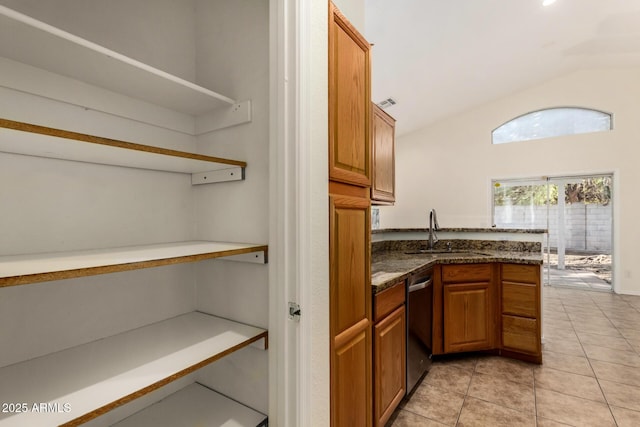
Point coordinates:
[(552, 122)]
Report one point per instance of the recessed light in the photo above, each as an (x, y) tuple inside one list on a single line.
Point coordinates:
[(548, 2)]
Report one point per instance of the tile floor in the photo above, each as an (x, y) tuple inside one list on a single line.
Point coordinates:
[(582, 279), (590, 374)]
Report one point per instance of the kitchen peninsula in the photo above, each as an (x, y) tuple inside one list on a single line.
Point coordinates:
[(486, 285)]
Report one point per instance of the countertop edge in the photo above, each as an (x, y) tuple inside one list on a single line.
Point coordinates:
[(462, 230), (384, 280)]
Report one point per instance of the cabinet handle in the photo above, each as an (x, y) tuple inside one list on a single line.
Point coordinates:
[(420, 285)]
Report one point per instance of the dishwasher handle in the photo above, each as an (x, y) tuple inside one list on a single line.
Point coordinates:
[(420, 285)]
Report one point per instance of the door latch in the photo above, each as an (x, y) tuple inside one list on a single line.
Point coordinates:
[(294, 311)]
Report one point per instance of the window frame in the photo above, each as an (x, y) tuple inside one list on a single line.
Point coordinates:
[(571, 107)]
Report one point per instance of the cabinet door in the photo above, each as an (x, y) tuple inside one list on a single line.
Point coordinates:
[(350, 305), (467, 317), (349, 103), (390, 364), (383, 181)]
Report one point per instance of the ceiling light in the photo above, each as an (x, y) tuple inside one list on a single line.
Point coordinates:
[(548, 2)]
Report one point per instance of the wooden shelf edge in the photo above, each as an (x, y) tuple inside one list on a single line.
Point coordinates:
[(114, 143), (25, 279), (130, 397), (123, 379), (195, 403)]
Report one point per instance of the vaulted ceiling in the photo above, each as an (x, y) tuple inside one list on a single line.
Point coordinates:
[(438, 58)]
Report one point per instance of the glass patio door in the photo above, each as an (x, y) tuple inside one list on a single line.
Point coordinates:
[(578, 248)]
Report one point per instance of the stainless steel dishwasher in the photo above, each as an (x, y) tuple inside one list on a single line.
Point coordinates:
[(419, 330)]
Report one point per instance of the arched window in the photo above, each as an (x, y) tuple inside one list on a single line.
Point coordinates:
[(552, 122)]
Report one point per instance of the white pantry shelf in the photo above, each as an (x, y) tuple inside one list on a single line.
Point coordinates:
[(84, 382), (42, 267), (36, 43), (194, 406), (40, 141)]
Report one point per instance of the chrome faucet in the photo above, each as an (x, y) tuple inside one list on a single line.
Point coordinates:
[(433, 227)]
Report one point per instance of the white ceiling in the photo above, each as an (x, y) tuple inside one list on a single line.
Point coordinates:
[(438, 58)]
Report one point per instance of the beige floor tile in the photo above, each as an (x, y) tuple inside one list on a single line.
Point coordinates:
[(545, 422), (509, 369), (503, 392), (565, 347), (552, 331), (622, 395), (462, 361), (630, 333), (409, 419), (618, 312), (626, 323), (564, 362), (449, 378), (435, 403), (568, 383), (478, 413), (555, 315), (597, 329), (558, 324), (590, 321), (627, 358), (604, 341), (572, 410), (625, 417), (616, 372)]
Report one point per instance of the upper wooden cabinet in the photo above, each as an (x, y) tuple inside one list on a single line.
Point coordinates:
[(349, 103), (383, 174)]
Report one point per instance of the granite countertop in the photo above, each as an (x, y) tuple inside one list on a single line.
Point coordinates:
[(390, 266)]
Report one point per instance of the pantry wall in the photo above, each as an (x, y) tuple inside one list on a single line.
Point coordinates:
[(53, 205)]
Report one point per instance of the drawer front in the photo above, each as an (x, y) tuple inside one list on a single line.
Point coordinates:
[(519, 299), (388, 300), (520, 334), (521, 273), (458, 273)]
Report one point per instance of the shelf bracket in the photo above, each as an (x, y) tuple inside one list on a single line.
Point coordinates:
[(259, 257), (220, 175), (223, 117)]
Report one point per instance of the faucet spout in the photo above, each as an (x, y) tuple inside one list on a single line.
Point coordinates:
[(433, 226)]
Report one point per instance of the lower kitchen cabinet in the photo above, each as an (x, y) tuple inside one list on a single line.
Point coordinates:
[(468, 307), (520, 310), (467, 317), (488, 306), (390, 335)]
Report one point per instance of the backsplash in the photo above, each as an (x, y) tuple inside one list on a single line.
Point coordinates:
[(457, 244)]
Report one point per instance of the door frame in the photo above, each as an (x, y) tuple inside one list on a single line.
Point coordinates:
[(299, 389)]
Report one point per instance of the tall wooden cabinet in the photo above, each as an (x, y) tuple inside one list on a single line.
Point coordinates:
[(349, 224)]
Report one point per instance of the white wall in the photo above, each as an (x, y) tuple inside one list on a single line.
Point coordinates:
[(354, 10), (161, 36), (449, 165), (232, 40)]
